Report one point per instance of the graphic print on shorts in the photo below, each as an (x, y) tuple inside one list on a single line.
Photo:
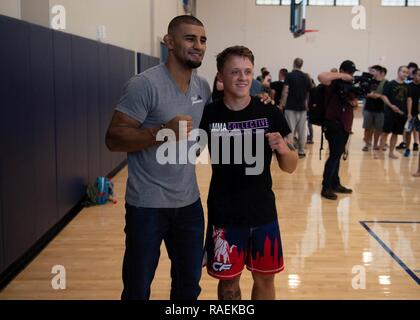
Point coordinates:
[(225, 255)]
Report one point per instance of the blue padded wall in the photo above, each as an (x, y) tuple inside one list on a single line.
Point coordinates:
[(94, 140), (79, 51), (57, 96), (104, 105), (18, 143), (68, 188), (42, 102)]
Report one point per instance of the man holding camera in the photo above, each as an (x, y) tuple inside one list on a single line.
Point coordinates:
[(340, 101)]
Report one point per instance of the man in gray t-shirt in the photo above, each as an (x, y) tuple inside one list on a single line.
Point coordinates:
[(162, 200), (153, 98)]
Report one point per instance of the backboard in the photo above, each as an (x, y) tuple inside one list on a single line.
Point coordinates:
[(298, 17)]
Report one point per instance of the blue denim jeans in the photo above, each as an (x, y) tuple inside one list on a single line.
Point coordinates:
[(182, 230)]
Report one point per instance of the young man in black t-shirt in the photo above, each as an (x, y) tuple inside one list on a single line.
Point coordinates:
[(413, 112), (242, 135), (395, 98), (277, 86), (373, 112)]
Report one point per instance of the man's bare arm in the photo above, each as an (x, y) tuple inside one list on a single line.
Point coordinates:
[(126, 135), (409, 107), (284, 96), (326, 78)]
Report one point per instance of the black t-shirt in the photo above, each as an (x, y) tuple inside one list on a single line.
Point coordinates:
[(299, 86), (235, 198), (397, 94), (277, 86), (415, 96), (375, 105)]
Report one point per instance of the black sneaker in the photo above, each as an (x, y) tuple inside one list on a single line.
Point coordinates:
[(342, 189), (401, 146), (328, 194), (415, 147)]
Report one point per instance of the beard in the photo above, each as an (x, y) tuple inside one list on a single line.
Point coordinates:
[(193, 64)]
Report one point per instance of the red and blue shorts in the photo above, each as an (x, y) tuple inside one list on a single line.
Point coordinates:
[(229, 249)]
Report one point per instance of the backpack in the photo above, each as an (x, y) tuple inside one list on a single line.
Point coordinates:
[(317, 105), (100, 192), (317, 108)]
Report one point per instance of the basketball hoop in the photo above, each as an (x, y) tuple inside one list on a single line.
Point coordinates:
[(298, 18)]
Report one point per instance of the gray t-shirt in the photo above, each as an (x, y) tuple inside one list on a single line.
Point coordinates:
[(153, 98)]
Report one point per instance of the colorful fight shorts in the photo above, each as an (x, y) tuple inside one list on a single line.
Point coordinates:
[(228, 249)]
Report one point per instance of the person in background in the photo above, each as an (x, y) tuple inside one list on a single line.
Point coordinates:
[(338, 123), (217, 92), (277, 86), (294, 102), (260, 77), (395, 96)]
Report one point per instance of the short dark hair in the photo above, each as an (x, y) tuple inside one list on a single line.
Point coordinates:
[(284, 71), (377, 67), (384, 70), (399, 69), (298, 63), (416, 70), (184, 19), (239, 51), (264, 74), (412, 65)]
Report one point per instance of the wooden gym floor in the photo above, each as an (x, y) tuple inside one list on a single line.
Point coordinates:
[(374, 232)]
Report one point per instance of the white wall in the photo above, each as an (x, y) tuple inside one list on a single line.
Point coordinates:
[(165, 11), (391, 34), (133, 24), (127, 22), (10, 8)]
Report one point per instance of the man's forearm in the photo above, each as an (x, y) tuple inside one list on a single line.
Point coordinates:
[(127, 139), (409, 106), (327, 77), (285, 93), (287, 162)]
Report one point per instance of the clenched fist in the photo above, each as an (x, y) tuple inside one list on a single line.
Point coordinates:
[(181, 125), (277, 143)]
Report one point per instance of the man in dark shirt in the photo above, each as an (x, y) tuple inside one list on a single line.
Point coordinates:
[(338, 123), (396, 96), (277, 86), (412, 66), (413, 111), (242, 219), (373, 112), (295, 103), (414, 101)]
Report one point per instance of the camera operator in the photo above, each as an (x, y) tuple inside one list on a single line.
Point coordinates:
[(340, 101), (373, 113)]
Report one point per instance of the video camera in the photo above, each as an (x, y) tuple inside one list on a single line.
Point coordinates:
[(359, 88)]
